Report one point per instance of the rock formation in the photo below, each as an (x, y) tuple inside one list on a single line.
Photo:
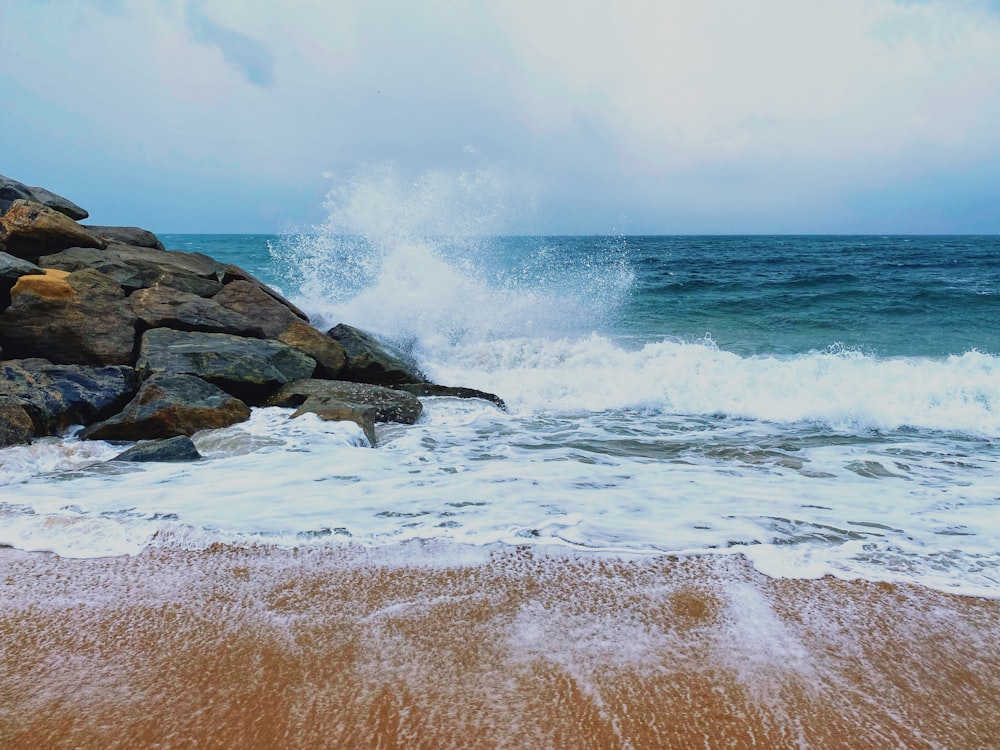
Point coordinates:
[(101, 326)]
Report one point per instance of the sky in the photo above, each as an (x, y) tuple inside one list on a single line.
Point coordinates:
[(512, 116)]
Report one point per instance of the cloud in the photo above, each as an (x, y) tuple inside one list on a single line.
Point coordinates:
[(682, 116), (246, 54)]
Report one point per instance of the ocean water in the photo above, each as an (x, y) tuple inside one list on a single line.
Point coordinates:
[(821, 405)]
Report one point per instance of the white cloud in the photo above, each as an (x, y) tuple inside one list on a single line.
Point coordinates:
[(722, 107)]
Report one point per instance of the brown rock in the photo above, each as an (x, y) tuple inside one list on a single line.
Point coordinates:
[(168, 405), (32, 230), (372, 361), (332, 410), (165, 307), (280, 323), (15, 422), (76, 318)]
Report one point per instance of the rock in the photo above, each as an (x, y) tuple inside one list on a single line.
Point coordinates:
[(333, 410), (141, 267), (57, 396), (180, 448), (433, 389), (165, 307), (235, 273), (31, 230), (12, 190), (251, 369), (168, 405), (127, 236), (76, 318), (389, 405), (11, 269), (279, 322), (371, 361), (15, 422)]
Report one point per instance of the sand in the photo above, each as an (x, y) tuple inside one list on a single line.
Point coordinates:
[(518, 648)]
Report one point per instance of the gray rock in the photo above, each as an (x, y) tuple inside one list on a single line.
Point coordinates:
[(128, 236), (80, 319), (372, 361), (433, 389), (165, 307), (140, 267), (31, 230), (12, 190), (57, 396), (251, 369), (389, 405), (180, 448), (168, 405)]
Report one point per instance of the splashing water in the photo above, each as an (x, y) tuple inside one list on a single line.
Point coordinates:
[(419, 262)]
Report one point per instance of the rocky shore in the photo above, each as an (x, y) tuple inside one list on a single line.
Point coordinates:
[(103, 327)]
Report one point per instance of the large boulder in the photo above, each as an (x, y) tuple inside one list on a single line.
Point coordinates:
[(12, 190), (251, 369), (140, 267), (11, 269), (57, 396), (168, 405), (280, 322), (372, 361), (389, 405), (69, 318), (30, 230), (180, 448), (165, 307), (127, 236)]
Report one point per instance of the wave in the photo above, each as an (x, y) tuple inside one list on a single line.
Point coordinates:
[(841, 389)]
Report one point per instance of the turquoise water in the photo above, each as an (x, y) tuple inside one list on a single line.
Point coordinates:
[(888, 296), (821, 405)]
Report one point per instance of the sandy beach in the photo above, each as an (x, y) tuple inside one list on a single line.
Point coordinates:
[(354, 648)]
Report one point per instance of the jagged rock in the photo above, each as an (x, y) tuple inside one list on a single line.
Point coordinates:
[(180, 448), (141, 267), (372, 361), (389, 405), (333, 410), (235, 273), (165, 307), (15, 422), (279, 322), (76, 318), (12, 190), (57, 396), (128, 236), (11, 269), (31, 230), (433, 389), (168, 405), (250, 369)]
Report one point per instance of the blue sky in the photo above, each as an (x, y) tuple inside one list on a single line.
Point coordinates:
[(591, 116)]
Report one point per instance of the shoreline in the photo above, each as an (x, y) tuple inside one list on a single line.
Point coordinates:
[(354, 647)]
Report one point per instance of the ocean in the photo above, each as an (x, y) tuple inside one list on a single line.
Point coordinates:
[(820, 405)]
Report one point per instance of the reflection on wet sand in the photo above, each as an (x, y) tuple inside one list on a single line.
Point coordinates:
[(342, 647)]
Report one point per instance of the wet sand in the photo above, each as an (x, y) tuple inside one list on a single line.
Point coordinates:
[(347, 648)]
